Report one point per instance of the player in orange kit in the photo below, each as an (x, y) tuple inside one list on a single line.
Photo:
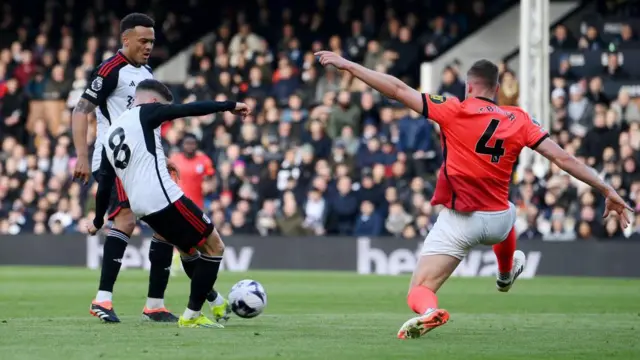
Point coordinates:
[(480, 143), (194, 168)]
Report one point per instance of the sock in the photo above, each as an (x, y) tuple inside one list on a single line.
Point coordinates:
[(204, 277), (504, 253), (421, 299), (160, 256), (114, 248), (190, 314), (213, 299), (104, 296), (152, 303), (189, 263)]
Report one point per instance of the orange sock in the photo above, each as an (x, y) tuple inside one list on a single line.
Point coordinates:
[(504, 252), (421, 299)]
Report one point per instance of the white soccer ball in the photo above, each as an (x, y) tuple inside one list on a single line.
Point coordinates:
[(247, 298)]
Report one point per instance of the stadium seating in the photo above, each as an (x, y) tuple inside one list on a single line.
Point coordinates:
[(322, 155)]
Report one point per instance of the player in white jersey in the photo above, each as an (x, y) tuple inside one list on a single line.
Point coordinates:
[(110, 92), (133, 154)]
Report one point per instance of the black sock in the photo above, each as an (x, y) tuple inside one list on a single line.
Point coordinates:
[(114, 248), (212, 295), (204, 277), (160, 256), (189, 265)]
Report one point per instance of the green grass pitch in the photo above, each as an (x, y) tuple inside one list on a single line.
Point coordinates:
[(319, 315)]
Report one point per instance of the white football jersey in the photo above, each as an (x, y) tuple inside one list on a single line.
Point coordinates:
[(132, 146), (133, 152), (112, 89)]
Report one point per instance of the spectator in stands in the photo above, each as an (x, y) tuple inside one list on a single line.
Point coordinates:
[(627, 40), (579, 111), (509, 91), (596, 93), (562, 40), (613, 70), (451, 84), (591, 40), (626, 109), (11, 112)]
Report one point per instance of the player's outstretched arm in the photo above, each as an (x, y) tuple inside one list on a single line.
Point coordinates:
[(79, 127), (388, 85), (106, 183), (550, 150), (155, 114)]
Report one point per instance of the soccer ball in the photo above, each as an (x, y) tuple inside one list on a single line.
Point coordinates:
[(247, 298)]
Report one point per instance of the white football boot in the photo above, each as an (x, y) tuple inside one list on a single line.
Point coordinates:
[(519, 260)]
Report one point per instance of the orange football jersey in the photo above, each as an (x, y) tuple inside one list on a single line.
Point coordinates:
[(192, 173), (481, 142)]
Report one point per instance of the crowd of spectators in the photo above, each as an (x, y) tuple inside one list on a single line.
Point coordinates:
[(322, 154)]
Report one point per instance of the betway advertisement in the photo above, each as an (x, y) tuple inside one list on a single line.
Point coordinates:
[(366, 256)]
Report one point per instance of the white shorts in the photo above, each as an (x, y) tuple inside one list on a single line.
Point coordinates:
[(455, 233)]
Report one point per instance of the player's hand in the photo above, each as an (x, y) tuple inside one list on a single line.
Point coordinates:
[(173, 171), (614, 203), (82, 170), (242, 109), (91, 229), (330, 58)]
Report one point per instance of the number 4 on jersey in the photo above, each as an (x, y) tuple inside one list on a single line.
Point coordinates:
[(497, 151)]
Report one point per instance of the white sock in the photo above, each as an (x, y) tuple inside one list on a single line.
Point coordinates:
[(155, 303), (104, 296), (429, 310), (218, 301), (190, 314)]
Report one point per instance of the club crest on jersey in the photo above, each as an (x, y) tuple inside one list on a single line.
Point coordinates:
[(535, 122), (96, 84), (437, 99), (206, 219), (199, 168)]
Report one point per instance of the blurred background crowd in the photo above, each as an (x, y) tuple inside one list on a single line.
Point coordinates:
[(322, 154)]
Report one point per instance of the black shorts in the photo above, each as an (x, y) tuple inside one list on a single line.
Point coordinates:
[(182, 224), (118, 199)]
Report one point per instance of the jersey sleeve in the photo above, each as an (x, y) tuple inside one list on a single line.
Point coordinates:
[(208, 166), (107, 176), (153, 115), (534, 132), (102, 83), (440, 109)]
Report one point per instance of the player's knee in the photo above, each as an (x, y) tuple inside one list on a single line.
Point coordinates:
[(213, 246), (125, 222)]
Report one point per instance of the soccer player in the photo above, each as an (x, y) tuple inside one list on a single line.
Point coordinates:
[(133, 154), (480, 143), (194, 166), (110, 92)]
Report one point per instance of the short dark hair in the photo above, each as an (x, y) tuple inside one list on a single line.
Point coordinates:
[(485, 71), (189, 136), (157, 87), (135, 19)]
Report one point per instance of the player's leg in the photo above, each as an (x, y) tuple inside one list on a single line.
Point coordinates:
[(218, 304), (114, 249), (187, 227), (445, 246), (205, 274), (160, 258), (510, 261)]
